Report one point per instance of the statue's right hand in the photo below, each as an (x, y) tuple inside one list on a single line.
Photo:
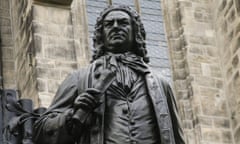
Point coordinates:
[(84, 104), (86, 101)]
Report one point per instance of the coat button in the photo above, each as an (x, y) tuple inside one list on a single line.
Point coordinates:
[(125, 110), (132, 122), (133, 133), (133, 142), (130, 99)]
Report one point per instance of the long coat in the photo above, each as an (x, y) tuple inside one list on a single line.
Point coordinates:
[(51, 127)]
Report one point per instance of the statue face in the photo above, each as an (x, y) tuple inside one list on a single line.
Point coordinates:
[(117, 32)]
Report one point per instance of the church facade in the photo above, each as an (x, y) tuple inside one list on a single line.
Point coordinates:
[(193, 43)]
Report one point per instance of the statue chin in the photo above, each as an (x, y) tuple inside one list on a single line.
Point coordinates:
[(118, 47)]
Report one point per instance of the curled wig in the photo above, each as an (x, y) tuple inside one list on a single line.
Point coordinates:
[(139, 45)]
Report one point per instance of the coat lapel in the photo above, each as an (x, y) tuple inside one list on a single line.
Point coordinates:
[(158, 98)]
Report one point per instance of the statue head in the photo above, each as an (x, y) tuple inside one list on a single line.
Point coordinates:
[(118, 30)]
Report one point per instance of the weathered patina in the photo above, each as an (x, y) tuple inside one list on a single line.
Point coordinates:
[(116, 99)]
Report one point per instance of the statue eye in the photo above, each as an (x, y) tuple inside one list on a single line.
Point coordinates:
[(108, 23), (124, 22)]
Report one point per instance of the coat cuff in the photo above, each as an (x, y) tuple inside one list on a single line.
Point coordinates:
[(81, 116)]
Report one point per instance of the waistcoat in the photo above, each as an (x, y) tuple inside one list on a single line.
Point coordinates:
[(129, 116)]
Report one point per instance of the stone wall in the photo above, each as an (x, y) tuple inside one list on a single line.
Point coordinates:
[(7, 45), (197, 71), (60, 46), (227, 21), (43, 41), (54, 49), (17, 44), (23, 49)]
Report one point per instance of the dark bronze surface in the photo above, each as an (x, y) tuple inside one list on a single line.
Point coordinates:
[(117, 98)]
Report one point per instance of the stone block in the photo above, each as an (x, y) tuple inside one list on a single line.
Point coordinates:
[(222, 5), (45, 99), (41, 85), (228, 7), (178, 55), (54, 51), (237, 5), (4, 13), (48, 73), (54, 30), (176, 21), (45, 63), (182, 94), (179, 63), (214, 105), (237, 29), (190, 137), (60, 49), (187, 124), (216, 71), (40, 13), (195, 71), (196, 50), (9, 65), (39, 27), (49, 15), (202, 14), (38, 46), (208, 91), (53, 85), (5, 4), (237, 135), (211, 135), (70, 53), (227, 137), (211, 51), (226, 56), (66, 64), (224, 26), (180, 74), (6, 41), (57, 2), (205, 121), (185, 4), (203, 40), (219, 84), (5, 22), (7, 53), (223, 123), (236, 84), (65, 73), (176, 44), (6, 30), (181, 84), (231, 17), (9, 76), (205, 69), (235, 61), (67, 31), (204, 81)]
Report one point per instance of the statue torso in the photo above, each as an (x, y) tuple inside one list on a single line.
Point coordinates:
[(129, 114)]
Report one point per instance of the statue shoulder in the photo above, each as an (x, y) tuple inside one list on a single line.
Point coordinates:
[(161, 79)]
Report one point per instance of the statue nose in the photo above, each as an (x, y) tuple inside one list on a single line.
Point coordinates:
[(115, 24)]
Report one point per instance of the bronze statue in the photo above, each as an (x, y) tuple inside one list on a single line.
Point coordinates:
[(117, 99)]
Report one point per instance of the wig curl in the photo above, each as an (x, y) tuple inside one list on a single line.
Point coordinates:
[(139, 45)]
